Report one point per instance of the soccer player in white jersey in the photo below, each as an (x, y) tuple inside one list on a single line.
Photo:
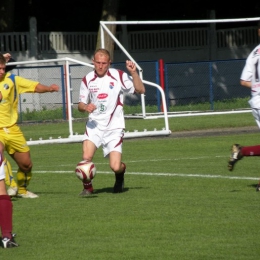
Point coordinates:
[(250, 78), (101, 96)]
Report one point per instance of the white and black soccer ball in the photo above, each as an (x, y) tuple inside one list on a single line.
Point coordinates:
[(85, 170)]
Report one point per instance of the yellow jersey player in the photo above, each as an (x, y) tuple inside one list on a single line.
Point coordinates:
[(12, 139)]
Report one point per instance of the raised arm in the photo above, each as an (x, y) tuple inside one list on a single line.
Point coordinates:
[(7, 56), (138, 84)]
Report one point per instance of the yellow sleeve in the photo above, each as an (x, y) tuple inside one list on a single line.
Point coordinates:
[(25, 85)]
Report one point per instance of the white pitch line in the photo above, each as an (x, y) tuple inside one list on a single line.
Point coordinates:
[(158, 160), (167, 174)]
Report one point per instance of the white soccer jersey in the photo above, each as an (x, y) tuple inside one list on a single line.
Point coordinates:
[(251, 71), (106, 93)]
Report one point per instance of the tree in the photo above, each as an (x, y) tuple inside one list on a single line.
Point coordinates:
[(109, 13), (6, 15)]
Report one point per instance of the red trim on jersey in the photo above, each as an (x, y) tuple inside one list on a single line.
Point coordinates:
[(95, 76), (118, 103), (120, 142), (121, 76), (84, 80), (86, 132)]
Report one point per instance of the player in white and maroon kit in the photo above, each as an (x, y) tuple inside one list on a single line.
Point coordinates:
[(101, 95), (250, 78)]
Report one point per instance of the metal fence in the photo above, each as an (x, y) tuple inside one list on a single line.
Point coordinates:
[(204, 82), (67, 42), (14, 42), (185, 84)]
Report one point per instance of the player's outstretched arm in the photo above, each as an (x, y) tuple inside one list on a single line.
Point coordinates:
[(138, 84), (245, 83), (42, 88)]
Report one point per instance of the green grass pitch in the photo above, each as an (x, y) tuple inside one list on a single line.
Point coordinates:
[(180, 202)]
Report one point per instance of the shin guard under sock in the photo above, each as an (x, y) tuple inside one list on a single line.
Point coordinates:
[(9, 178), (23, 180)]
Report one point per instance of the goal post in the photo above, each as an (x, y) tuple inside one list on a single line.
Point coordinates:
[(104, 28), (67, 73)]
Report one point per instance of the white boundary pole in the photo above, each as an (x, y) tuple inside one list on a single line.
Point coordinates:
[(68, 90)]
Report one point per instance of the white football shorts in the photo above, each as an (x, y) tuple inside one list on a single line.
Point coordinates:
[(109, 140)]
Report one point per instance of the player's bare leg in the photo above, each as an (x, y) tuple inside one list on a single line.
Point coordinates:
[(88, 150), (119, 169)]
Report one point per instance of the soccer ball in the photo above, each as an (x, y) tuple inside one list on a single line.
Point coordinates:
[(85, 170)]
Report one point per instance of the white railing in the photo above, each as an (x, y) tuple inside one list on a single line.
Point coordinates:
[(236, 37), (175, 39), (168, 39), (67, 41), (14, 41)]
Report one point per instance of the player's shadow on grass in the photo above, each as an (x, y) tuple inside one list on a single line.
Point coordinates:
[(107, 190), (250, 185), (90, 196), (253, 186)]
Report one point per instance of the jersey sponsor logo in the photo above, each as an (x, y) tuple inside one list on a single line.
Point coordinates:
[(102, 95), (93, 88), (102, 108), (111, 85)]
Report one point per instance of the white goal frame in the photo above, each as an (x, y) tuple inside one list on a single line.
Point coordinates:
[(165, 114), (72, 137)]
